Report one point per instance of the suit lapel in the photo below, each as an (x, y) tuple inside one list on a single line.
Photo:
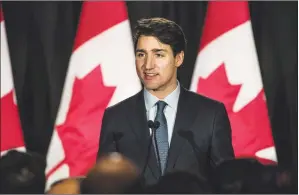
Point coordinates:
[(186, 113), (138, 119)]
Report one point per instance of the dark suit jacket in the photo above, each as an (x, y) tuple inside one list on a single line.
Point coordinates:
[(125, 130)]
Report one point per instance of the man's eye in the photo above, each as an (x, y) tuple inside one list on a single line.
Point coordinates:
[(140, 55), (159, 55)]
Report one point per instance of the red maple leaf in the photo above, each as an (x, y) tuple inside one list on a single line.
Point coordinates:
[(11, 131), (217, 87), (251, 130), (81, 131)]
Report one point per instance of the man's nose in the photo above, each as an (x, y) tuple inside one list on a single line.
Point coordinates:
[(149, 63)]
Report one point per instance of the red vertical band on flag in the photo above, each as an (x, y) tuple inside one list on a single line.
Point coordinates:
[(99, 18), (221, 17), (11, 131), (1, 14)]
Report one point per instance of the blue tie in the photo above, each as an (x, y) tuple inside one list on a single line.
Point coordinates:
[(162, 135)]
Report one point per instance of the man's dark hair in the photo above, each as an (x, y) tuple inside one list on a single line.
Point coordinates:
[(22, 173), (166, 31)]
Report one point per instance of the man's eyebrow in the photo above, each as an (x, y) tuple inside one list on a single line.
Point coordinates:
[(140, 50), (158, 50), (153, 50)]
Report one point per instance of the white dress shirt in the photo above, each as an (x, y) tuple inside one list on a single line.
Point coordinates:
[(170, 110)]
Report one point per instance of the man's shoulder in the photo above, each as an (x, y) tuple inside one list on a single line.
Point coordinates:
[(124, 104), (201, 99)]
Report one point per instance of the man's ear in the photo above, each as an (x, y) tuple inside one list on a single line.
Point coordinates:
[(179, 58)]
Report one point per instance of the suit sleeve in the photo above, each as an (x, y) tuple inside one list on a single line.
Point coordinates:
[(221, 147), (107, 143)]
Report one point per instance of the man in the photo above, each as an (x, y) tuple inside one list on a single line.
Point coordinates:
[(194, 132)]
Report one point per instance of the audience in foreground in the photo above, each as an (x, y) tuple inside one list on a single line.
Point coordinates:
[(24, 173)]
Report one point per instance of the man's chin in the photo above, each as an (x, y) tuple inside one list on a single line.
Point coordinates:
[(151, 87)]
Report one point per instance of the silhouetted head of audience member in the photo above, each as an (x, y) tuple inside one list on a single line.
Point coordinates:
[(286, 182), (234, 176), (180, 183), (251, 177), (66, 186), (273, 179), (262, 181), (113, 174), (22, 173)]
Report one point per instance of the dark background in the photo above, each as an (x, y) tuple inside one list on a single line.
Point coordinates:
[(41, 34)]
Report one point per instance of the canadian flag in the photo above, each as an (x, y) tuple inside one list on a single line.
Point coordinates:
[(11, 131), (101, 73), (227, 70)]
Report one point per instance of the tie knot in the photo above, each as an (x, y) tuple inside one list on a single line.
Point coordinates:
[(161, 105)]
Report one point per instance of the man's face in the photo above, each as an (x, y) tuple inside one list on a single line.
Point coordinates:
[(155, 64)]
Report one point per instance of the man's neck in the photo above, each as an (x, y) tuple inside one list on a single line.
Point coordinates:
[(162, 93)]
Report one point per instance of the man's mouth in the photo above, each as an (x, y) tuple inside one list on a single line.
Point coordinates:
[(150, 75)]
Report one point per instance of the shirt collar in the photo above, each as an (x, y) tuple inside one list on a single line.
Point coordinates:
[(171, 100)]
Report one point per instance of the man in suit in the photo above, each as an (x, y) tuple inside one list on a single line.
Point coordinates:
[(194, 133)]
